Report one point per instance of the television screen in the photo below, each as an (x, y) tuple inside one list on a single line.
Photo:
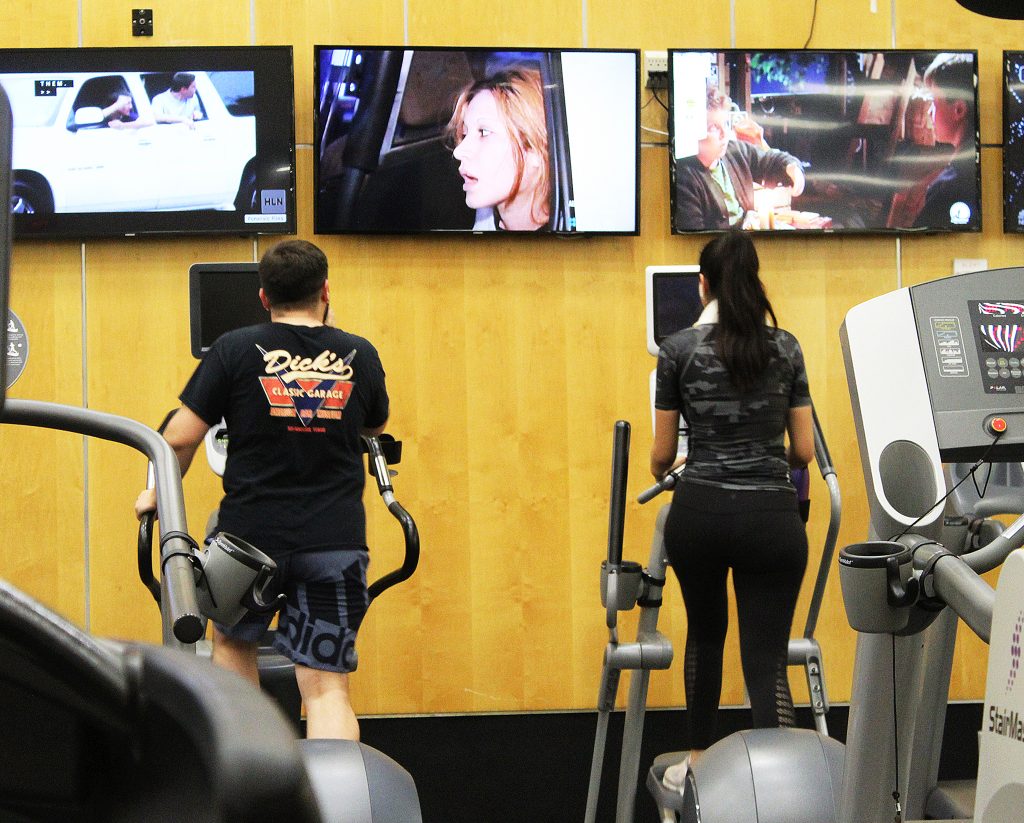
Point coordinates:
[(124, 141), (476, 140), (673, 302), (222, 297), (1013, 141), (819, 141)]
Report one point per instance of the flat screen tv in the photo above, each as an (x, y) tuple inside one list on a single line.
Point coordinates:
[(476, 140), (1013, 141), (149, 140), (222, 297), (824, 141)]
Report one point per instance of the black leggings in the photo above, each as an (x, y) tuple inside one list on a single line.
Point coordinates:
[(760, 536)]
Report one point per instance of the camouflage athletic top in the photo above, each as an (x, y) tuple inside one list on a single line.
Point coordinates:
[(735, 439)]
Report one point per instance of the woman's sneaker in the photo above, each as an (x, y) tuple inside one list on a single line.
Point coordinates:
[(675, 775)]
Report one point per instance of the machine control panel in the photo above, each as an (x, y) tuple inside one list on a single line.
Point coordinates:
[(971, 333)]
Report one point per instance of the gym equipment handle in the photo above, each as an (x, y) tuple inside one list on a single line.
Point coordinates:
[(617, 503), (378, 450), (667, 482)]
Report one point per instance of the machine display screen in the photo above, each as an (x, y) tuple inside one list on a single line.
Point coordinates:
[(999, 332)]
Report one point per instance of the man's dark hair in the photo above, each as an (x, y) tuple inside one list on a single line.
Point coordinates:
[(953, 74), (182, 80), (292, 273)]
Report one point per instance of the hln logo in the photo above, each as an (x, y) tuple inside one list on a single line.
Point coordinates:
[(272, 201)]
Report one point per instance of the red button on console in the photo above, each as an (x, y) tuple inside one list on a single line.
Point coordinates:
[(997, 425)]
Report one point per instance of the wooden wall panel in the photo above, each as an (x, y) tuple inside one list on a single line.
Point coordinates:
[(38, 24), (138, 353), (41, 484), (788, 24), (43, 504), (662, 25), (471, 23), (508, 364), (187, 23)]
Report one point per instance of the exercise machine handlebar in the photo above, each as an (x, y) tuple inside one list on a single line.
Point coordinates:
[(182, 621), (617, 503), (145, 544), (377, 449)]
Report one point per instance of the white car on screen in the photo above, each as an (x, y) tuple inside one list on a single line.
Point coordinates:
[(68, 159)]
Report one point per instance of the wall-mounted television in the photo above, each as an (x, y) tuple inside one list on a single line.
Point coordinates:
[(476, 140), (1013, 141), (151, 140), (222, 297), (824, 141)]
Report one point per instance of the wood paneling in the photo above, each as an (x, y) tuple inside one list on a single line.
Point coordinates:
[(41, 484), (508, 362), (188, 23), (788, 24), (38, 24), (137, 341)]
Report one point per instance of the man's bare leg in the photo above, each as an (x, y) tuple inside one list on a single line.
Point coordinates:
[(329, 711), (238, 656)]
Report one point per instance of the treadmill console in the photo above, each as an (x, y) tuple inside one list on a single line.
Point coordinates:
[(935, 375), (971, 330)]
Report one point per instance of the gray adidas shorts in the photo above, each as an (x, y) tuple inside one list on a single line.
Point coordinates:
[(327, 600)]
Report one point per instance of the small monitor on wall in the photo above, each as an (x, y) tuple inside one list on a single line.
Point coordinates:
[(147, 140), (222, 297), (824, 141), (673, 302), (476, 140)]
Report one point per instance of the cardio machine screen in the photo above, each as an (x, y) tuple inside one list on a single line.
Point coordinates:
[(222, 297), (676, 298), (999, 331)]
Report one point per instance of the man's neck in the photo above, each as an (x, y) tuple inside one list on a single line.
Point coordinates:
[(297, 318)]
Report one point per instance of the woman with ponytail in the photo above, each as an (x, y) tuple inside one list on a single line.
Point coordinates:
[(739, 383)]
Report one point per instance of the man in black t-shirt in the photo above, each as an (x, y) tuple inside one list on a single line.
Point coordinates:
[(296, 395)]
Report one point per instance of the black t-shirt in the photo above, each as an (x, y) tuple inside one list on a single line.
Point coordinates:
[(736, 438), (295, 399)]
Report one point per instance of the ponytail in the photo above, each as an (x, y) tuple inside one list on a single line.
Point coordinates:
[(730, 265)]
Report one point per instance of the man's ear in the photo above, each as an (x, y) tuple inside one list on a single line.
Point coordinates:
[(325, 291), (263, 300)]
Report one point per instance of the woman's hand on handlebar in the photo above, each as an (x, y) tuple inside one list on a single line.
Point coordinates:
[(145, 503), (680, 461)]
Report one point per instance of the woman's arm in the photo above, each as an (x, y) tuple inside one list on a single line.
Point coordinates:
[(800, 427), (666, 442)]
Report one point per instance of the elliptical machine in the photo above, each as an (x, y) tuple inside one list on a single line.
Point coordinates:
[(935, 376), (99, 730), (624, 584)]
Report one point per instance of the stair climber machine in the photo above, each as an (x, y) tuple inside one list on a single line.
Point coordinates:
[(936, 382), (102, 730), (673, 303)]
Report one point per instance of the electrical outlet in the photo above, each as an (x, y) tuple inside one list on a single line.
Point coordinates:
[(656, 64), (142, 22)]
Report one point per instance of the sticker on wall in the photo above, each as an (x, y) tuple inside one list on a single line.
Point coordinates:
[(17, 348)]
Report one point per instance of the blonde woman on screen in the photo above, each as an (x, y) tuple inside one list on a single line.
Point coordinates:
[(501, 142)]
